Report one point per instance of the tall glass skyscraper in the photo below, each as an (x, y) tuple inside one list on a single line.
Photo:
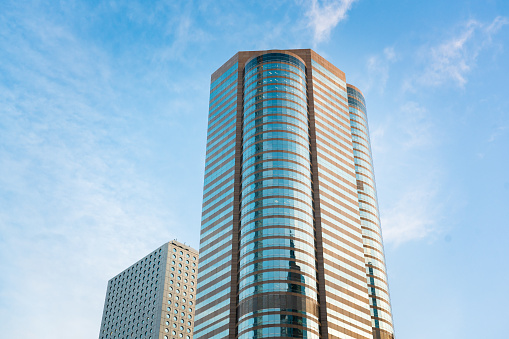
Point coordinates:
[(291, 245)]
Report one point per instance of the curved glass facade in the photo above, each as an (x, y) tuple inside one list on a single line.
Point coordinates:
[(278, 294), (290, 242)]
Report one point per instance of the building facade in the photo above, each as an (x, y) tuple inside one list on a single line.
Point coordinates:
[(290, 245), (154, 298)]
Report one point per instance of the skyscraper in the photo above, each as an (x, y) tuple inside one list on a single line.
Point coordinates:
[(290, 243), (154, 298)]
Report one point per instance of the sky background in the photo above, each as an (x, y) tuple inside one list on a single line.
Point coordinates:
[(103, 114)]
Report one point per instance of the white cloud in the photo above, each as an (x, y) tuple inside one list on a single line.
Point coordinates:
[(378, 67), (416, 127), (325, 15), (497, 132), (454, 58), (409, 127), (409, 176), (185, 33), (389, 53), (76, 202), (495, 26), (405, 143), (413, 216)]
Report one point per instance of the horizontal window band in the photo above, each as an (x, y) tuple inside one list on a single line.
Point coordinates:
[(225, 75), (270, 217), (280, 281), (250, 78), (304, 109), (289, 141), (286, 89), (274, 67), (283, 301), (266, 228), (305, 212), (272, 159), (300, 139), (301, 89), (269, 112), (247, 203), (286, 270), (306, 168), (304, 172), (306, 331), (302, 132), (285, 248)]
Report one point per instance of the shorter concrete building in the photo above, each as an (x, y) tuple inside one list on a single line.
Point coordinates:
[(154, 298)]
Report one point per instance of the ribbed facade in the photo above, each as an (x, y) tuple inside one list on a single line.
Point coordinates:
[(290, 242)]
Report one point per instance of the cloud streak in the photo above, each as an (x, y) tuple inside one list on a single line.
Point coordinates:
[(416, 210), (453, 59), (378, 68), (497, 132), (404, 147), (414, 216), (324, 16), (76, 203)]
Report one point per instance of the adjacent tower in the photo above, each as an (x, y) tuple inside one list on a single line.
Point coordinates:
[(154, 298), (291, 244)]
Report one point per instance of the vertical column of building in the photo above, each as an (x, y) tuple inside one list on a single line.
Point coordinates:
[(179, 295), (343, 287), (218, 233), (277, 269), (370, 219)]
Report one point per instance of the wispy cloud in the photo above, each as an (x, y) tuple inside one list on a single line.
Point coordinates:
[(406, 142), (414, 216), (185, 33), (453, 59), (404, 147), (416, 127), (325, 15), (76, 202), (497, 132), (378, 68), (409, 127)]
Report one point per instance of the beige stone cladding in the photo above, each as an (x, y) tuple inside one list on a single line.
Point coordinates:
[(179, 297)]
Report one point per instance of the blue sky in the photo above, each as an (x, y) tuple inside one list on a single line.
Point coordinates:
[(103, 108)]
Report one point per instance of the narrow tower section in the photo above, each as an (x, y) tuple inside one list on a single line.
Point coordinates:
[(217, 279), (380, 307), (343, 297)]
